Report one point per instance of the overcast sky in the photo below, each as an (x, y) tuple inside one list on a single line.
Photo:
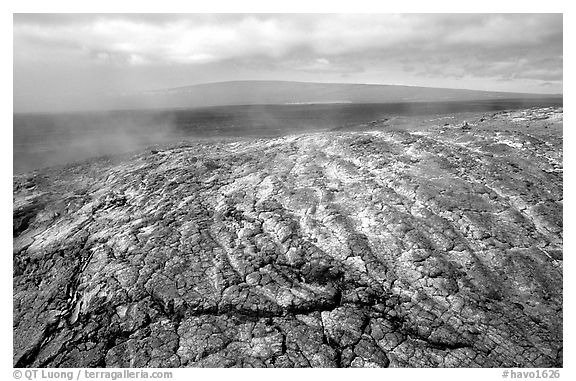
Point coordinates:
[(70, 60)]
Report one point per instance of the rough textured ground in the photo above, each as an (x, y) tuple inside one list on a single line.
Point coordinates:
[(439, 246)]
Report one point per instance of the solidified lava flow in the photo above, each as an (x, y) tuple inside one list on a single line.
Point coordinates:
[(440, 246)]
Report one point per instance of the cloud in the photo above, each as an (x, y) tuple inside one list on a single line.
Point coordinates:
[(196, 39), (186, 39), (503, 68)]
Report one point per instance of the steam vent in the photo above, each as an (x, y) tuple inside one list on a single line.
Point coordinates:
[(430, 247)]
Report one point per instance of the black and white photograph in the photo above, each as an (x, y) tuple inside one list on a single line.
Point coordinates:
[(287, 190)]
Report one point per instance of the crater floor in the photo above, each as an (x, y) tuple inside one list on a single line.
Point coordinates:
[(438, 246)]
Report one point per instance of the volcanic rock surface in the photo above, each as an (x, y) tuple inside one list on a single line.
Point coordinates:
[(440, 246)]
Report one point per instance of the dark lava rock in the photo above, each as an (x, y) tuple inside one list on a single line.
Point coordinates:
[(378, 248)]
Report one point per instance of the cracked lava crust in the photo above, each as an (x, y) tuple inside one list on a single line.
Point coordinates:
[(384, 248)]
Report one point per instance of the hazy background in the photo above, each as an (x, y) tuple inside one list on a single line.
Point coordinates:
[(70, 70), (76, 61)]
